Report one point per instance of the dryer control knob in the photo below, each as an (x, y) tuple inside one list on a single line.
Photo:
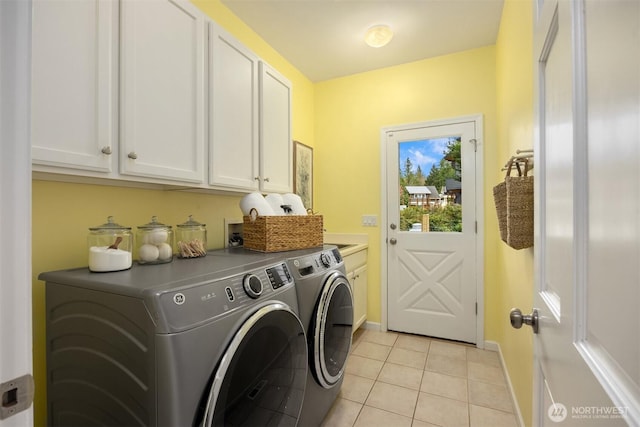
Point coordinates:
[(325, 260), (252, 285)]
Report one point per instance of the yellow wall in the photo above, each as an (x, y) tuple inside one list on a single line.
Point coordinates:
[(350, 113), (510, 283)]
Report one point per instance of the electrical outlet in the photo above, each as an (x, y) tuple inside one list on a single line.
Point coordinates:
[(370, 220)]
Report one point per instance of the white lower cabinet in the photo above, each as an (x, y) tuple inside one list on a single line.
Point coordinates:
[(162, 84), (356, 268), (74, 83), (358, 280)]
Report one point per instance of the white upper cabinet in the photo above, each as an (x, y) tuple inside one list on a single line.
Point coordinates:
[(250, 145), (74, 82), (276, 170), (162, 84), (233, 112), (120, 92)]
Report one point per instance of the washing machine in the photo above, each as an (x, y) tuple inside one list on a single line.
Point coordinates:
[(325, 303), (214, 341)]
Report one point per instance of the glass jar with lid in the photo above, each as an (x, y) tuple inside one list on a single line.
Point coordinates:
[(154, 241), (191, 237), (110, 246)]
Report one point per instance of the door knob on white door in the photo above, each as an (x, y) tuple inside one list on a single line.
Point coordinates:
[(393, 240), (518, 319)]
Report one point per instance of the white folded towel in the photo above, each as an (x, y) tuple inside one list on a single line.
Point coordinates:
[(293, 200), (258, 202)]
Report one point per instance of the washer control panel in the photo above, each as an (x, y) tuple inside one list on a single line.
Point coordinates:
[(316, 264), (203, 302)]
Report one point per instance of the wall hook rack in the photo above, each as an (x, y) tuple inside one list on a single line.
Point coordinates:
[(522, 159)]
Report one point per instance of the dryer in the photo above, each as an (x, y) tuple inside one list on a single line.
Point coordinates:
[(200, 342), (325, 302)]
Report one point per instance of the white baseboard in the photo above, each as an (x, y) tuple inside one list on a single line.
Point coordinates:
[(372, 326), (494, 346)]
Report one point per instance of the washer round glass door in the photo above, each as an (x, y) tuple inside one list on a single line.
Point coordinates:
[(332, 331), (261, 378)]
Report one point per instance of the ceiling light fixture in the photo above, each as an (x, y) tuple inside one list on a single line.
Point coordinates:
[(378, 35)]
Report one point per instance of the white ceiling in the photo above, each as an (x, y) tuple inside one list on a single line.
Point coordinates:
[(324, 38)]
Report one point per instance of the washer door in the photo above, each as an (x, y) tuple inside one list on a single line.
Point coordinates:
[(261, 378), (332, 330)]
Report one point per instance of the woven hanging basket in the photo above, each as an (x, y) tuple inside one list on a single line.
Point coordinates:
[(520, 211), (514, 206)]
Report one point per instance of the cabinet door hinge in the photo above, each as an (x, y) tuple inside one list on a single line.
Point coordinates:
[(476, 227), (476, 309)]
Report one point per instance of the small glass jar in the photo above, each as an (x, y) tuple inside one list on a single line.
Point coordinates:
[(110, 246), (154, 242), (192, 239)]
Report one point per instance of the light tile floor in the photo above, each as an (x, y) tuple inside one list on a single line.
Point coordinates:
[(394, 379)]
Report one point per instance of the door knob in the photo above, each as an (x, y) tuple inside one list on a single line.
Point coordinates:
[(518, 319), (132, 155), (393, 241)]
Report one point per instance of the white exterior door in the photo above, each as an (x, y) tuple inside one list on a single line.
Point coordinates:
[(587, 247), (431, 229)]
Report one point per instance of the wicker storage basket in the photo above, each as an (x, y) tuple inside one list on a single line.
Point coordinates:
[(514, 206), (282, 233)]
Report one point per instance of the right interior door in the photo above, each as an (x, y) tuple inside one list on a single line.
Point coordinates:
[(587, 350)]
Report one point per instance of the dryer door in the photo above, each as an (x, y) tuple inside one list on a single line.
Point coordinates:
[(261, 377), (332, 331)]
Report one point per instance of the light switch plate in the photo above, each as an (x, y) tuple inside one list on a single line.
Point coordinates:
[(370, 220)]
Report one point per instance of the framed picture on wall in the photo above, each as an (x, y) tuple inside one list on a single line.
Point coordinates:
[(303, 173)]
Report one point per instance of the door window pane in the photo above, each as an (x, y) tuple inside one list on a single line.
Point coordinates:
[(430, 185)]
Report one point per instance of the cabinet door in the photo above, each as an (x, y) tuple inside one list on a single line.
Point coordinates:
[(359, 285), (233, 112), (162, 90), (74, 51), (276, 169)]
